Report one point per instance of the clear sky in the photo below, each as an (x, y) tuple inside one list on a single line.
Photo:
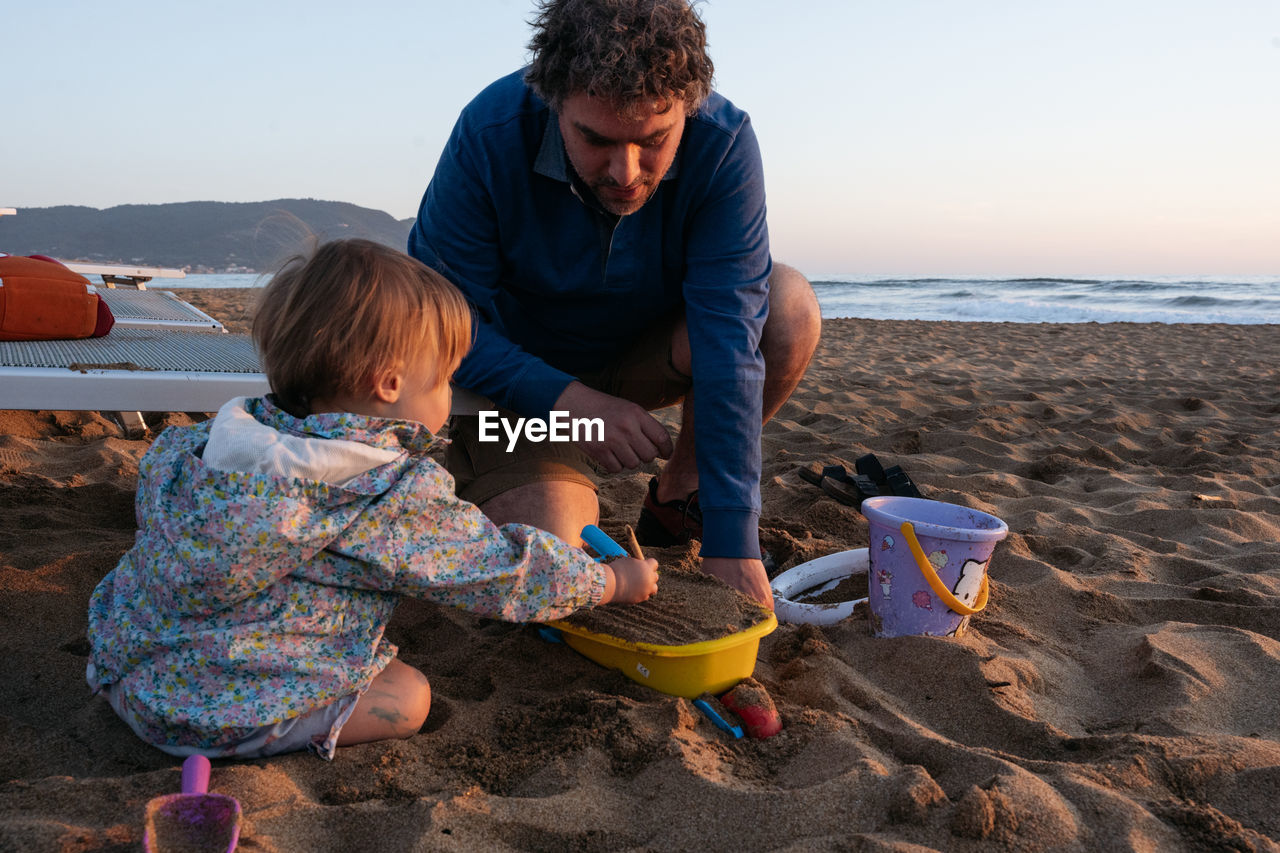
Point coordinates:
[(1001, 137)]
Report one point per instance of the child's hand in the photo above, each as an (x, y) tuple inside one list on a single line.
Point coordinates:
[(633, 580)]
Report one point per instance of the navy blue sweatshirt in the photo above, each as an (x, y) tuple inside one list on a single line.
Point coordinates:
[(559, 290)]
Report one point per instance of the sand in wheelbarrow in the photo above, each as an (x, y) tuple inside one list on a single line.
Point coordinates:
[(689, 606)]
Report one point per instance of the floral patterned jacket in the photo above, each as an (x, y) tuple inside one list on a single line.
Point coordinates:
[(250, 598)]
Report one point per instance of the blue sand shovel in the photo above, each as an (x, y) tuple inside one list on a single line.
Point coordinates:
[(602, 543), (194, 821)]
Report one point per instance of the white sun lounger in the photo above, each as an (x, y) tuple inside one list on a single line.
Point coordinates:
[(131, 369), (113, 274), (162, 355), (157, 309), (135, 370)]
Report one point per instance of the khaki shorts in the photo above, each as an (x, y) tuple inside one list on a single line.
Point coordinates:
[(482, 471)]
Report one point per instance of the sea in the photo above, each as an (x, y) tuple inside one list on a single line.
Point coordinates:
[(1249, 299)]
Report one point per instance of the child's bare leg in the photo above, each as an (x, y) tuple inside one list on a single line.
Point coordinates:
[(394, 706)]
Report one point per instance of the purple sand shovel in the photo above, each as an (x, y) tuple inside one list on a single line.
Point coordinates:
[(194, 821)]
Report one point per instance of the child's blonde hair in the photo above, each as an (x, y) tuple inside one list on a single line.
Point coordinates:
[(330, 322)]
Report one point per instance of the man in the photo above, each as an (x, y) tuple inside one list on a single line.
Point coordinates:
[(604, 212)]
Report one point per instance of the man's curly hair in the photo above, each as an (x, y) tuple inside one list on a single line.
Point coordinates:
[(634, 53)]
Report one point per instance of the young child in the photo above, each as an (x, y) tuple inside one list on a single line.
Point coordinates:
[(275, 540)]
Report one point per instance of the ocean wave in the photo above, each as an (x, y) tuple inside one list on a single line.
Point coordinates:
[(1058, 310), (1224, 303), (1249, 299), (883, 282), (1137, 286), (1199, 301), (1049, 281), (903, 282)]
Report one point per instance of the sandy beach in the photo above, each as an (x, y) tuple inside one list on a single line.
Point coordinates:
[(1119, 692)]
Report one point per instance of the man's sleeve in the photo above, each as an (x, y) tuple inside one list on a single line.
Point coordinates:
[(456, 234), (727, 300)]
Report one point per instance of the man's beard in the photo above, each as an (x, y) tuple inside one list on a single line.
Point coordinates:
[(622, 206)]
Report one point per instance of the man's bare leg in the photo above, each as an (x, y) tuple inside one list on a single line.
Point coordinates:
[(789, 343), (790, 337), (561, 507)]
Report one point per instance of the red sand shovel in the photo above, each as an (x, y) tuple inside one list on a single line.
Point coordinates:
[(194, 821)]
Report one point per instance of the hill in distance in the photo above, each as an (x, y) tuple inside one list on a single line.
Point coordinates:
[(197, 236)]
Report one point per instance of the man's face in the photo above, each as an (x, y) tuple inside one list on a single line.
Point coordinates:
[(620, 159)]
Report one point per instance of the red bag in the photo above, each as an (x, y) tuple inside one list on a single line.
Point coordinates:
[(41, 300)]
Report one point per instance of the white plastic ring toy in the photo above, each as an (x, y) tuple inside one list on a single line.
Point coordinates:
[(808, 575)]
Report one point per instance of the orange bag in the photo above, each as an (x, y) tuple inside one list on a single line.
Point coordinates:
[(42, 300)]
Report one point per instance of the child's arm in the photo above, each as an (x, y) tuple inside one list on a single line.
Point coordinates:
[(418, 539), (629, 581)]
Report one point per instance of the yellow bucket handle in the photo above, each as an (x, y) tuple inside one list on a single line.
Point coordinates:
[(935, 582)]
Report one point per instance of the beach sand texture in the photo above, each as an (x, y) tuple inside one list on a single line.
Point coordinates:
[(1120, 692)]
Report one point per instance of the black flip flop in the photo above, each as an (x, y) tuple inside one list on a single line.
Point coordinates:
[(890, 481), (851, 491), (900, 484), (835, 472), (870, 466)]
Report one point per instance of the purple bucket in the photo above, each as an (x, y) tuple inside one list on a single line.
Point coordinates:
[(931, 589)]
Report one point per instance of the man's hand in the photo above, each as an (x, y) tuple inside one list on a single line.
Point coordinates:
[(746, 575), (631, 435)]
